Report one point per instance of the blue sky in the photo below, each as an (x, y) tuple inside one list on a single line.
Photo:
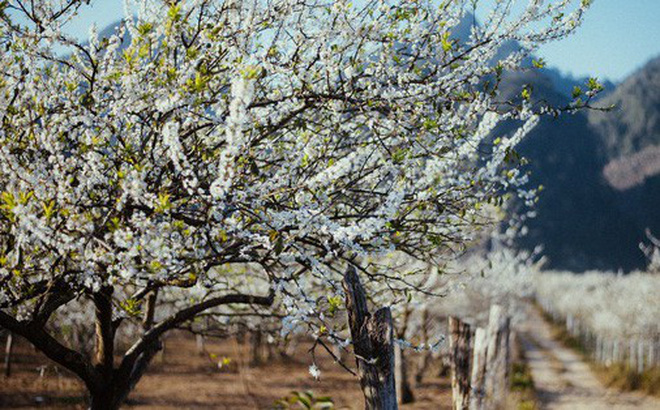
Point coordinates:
[(617, 37)]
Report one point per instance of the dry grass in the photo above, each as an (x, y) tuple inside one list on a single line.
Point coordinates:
[(621, 377)]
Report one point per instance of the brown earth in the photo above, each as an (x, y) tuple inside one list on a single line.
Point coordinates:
[(183, 378)]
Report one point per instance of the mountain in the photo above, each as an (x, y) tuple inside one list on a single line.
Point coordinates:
[(634, 123), (630, 138), (579, 221), (601, 171)]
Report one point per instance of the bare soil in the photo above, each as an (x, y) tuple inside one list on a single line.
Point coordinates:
[(184, 378)]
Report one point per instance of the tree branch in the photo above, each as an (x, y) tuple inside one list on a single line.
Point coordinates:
[(53, 349), (151, 336)]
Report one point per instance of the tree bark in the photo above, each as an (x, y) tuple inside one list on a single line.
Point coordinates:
[(104, 398), (372, 346), (150, 310), (459, 347), (104, 395), (105, 333), (126, 382)]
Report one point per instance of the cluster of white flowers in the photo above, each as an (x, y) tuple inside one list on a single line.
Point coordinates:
[(613, 305), (615, 316), (284, 134)]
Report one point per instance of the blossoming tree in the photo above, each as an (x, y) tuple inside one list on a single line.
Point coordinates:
[(290, 136)]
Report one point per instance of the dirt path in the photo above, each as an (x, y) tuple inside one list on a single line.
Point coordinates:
[(563, 381)]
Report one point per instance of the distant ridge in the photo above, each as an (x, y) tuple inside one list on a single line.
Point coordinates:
[(628, 172), (634, 123)]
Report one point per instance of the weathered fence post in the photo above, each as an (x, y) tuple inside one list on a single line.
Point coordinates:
[(640, 357), (497, 357), (403, 391), (372, 346), (199, 341), (478, 378), (459, 347), (651, 356), (426, 356)]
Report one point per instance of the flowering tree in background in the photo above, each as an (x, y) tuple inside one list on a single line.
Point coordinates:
[(652, 251), (614, 316), (292, 137)]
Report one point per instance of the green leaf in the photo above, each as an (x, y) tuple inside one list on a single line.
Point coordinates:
[(335, 304), (540, 63), (526, 94), (174, 13), (577, 92), (447, 43), (594, 85)]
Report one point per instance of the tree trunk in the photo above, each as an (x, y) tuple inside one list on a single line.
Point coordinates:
[(105, 396), (9, 347), (112, 391), (372, 346), (459, 347), (105, 333), (403, 390), (255, 347), (103, 400), (114, 385)]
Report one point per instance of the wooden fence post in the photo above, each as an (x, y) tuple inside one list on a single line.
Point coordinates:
[(372, 346), (478, 378), (426, 356), (640, 356), (497, 357), (200, 343), (459, 347), (403, 391)]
